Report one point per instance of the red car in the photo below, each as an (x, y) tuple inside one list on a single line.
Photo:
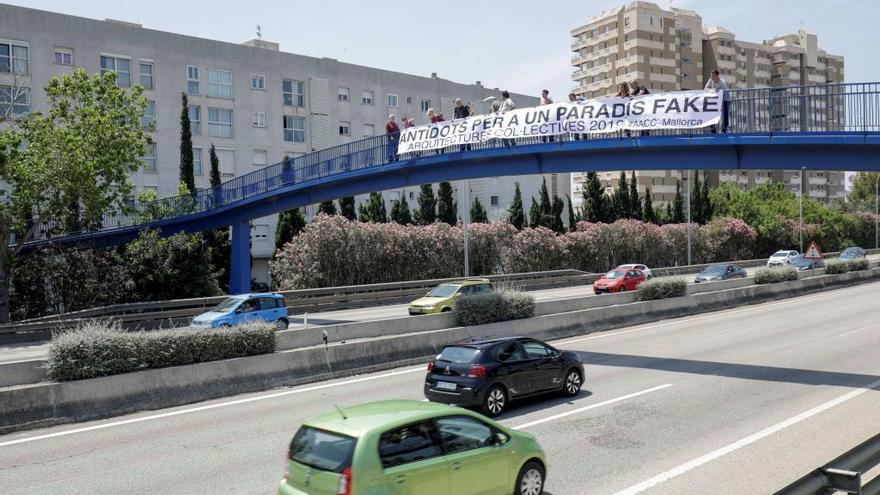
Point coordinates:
[(619, 281)]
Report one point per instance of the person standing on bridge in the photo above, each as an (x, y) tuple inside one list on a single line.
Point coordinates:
[(546, 100), (715, 84), (575, 99), (462, 111), (507, 105), (636, 90), (623, 92), (435, 118), (393, 132)]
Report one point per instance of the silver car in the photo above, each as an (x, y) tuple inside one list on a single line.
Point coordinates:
[(782, 257)]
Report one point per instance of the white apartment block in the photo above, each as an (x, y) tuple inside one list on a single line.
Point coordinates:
[(253, 102)]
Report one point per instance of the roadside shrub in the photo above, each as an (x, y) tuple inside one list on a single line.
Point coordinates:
[(778, 274), (833, 267), (661, 288), (857, 264), (100, 349), (500, 305)]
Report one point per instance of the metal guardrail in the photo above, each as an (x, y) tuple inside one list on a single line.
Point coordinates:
[(849, 107), (843, 474)]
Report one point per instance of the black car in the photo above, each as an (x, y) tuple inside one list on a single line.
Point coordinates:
[(801, 263), (723, 271), (489, 373)]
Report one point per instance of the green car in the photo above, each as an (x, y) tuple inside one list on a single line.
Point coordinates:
[(404, 447)]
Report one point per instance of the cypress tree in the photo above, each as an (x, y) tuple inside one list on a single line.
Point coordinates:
[(622, 205), (346, 208), (445, 204), (558, 207), (648, 214), (374, 210), (635, 203), (677, 206), (187, 174), (534, 214), (327, 207), (290, 223), (708, 207), (696, 192), (400, 212), (218, 239), (544, 195), (572, 219), (478, 213), (669, 215), (595, 205), (427, 212), (515, 214)]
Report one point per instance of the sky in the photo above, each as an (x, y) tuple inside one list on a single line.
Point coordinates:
[(523, 46)]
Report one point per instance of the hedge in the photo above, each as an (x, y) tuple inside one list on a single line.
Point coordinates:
[(777, 274), (857, 264), (843, 266), (500, 305), (661, 288), (100, 349)]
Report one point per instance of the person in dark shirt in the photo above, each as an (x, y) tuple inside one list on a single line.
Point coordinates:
[(462, 111), (393, 132)]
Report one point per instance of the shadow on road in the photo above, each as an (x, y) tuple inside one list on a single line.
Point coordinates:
[(540, 403), (730, 370)]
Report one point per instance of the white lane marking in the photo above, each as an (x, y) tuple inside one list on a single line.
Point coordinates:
[(210, 406), (587, 408), (714, 314), (679, 470)]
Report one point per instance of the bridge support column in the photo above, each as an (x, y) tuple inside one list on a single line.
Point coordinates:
[(240, 259)]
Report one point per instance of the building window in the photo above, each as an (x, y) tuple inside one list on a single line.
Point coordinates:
[(293, 93), (195, 119), (392, 100), (626, 21), (261, 232), (147, 74), (148, 121), (63, 56), (345, 128), (197, 161), (259, 119), (426, 104), (369, 130), (219, 83), (226, 157), (367, 98), (220, 122), (261, 158), (14, 57), (258, 81), (149, 158), (14, 101), (192, 80), (493, 200), (342, 95), (121, 66), (294, 129)]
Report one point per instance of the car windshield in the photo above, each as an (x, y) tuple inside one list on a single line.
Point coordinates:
[(458, 354), (615, 274), (780, 254), (443, 291), (715, 270), (800, 260), (228, 304), (322, 450)]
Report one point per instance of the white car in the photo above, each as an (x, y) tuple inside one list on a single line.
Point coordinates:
[(782, 257), (635, 266)]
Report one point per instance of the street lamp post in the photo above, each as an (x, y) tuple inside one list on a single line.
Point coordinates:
[(690, 258), (801, 210)]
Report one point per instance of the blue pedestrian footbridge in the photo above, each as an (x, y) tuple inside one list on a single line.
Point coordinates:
[(820, 127)]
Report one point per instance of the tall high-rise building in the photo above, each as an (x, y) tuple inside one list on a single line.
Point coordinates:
[(253, 102), (670, 50)]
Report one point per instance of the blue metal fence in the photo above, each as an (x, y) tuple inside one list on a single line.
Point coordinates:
[(852, 107)]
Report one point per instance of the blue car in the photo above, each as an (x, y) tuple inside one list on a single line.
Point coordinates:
[(245, 308)]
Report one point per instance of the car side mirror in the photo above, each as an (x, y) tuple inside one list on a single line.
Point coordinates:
[(499, 439)]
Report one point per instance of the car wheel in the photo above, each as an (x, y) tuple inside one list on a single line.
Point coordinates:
[(572, 383), (445, 310), (622, 288), (225, 325), (281, 324), (495, 401), (530, 480)]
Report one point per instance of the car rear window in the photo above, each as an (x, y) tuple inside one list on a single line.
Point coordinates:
[(458, 354), (322, 449)]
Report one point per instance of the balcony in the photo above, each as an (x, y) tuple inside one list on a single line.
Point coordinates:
[(795, 180), (816, 181), (762, 179), (743, 179), (818, 193)]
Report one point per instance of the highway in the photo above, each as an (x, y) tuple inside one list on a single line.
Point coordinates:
[(735, 402)]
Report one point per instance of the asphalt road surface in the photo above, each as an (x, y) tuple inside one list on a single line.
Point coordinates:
[(735, 402)]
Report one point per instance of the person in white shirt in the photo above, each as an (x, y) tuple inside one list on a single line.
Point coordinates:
[(546, 100), (573, 98), (507, 105), (715, 83)]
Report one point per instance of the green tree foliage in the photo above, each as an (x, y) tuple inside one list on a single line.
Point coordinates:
[(596, 207), (327, 207), (218, 239), (187, 173), (374, 209), (696, 192), (427, 212), (558, 207), (708, 208), (515, 214), (668, 217), (478, 213), (171, 268), (678, 214), (215, 168), (648, 209), (635, 203), (534, 214), (446, 205), (544, 200), (69, 166), (863, 189), (572, 218), (346, 208), (400, 212), (290, 223), (620, 199)]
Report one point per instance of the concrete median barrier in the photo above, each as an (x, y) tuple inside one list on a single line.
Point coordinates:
[(43, 404)]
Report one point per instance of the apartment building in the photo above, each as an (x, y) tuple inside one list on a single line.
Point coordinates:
[(670, 50), (252, 101)]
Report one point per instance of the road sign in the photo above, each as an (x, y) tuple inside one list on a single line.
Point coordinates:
[(813, 252)]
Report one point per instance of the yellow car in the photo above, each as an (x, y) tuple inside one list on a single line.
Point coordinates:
[(443, 297)]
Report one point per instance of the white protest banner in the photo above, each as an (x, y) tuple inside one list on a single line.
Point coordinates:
[(679, 110)]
